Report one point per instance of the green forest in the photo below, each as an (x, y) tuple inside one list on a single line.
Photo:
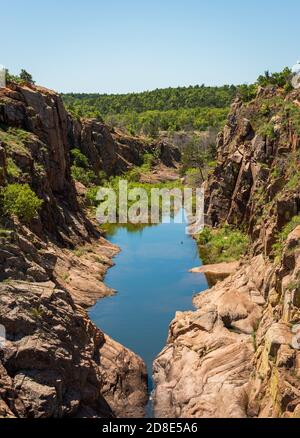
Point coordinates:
[(194, 108), (170, 109)]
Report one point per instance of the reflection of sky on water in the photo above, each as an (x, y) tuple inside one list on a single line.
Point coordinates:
[(152, 279)]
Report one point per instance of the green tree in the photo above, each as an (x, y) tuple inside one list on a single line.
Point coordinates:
[(20, 200), (79, 159), (26, 77)]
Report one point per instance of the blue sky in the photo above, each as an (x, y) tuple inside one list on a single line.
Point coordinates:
[(130, 45)]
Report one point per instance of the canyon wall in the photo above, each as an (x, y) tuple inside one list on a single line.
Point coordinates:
[(55, 362), (238, 354)]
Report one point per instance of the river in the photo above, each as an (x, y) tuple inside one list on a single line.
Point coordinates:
[(152, 280)]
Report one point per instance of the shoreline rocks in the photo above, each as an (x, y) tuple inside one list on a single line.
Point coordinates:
[(217, 272), (204, 370), (59, 364)]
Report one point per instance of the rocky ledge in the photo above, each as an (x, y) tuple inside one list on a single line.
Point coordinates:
[(217, 272), (209, 352), (234, 356), (56, 363)]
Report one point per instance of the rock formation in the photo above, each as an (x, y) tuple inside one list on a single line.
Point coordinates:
[(55, 362), (238, 354)]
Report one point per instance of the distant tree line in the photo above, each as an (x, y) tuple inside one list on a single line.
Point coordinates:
[(148, 113), (171, 109), (160, 100)]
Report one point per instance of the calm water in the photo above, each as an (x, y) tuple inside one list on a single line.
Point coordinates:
[(152, 280)]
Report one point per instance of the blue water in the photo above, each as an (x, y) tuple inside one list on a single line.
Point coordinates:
[(152, 280)]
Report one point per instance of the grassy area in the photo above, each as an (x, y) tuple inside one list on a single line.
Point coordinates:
[(222, 245), (15, 138), (13, 170)]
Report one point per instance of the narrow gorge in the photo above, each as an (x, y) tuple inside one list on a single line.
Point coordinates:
[(232, 349)]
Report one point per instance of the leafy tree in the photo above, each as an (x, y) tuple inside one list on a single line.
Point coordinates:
[(20, 200), (11, 78), (81, 170), (280, 79), (26, 77), (79, 159)]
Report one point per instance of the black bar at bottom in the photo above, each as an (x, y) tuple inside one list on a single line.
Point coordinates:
[(136, 427)]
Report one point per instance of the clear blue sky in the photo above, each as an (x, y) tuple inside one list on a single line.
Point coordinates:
[(133, 45)]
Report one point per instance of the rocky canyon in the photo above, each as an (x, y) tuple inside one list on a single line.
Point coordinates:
[(54, 361), (237, 355)]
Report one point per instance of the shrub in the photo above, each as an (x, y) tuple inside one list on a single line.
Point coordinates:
[(91, 196), (79, 159), (15, 139), (81, 170), (12, 169), (280, 79), (134, 175), (26, 77), (85, 176), (222, 245), (20, 200)]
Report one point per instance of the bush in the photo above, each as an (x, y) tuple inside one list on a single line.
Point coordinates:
[(91, 196), (26, 77), (281, 79), (12, 169), (85, 176), (20, 200), (222, 245), (79, 159)]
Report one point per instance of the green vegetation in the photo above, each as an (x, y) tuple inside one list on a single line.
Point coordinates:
[(148, 113), (23, 78), (292, 175), (198, 156), (171, 109), (281, 79), (13, 170), (160, 99), (133, 177), (283, 235), (224, 244), (81, 171), (37, 313), (15, 139), (151, 123), (86, 177), (113, 183), (273, 111), (5, 232), (20, 200), (26, 77)]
